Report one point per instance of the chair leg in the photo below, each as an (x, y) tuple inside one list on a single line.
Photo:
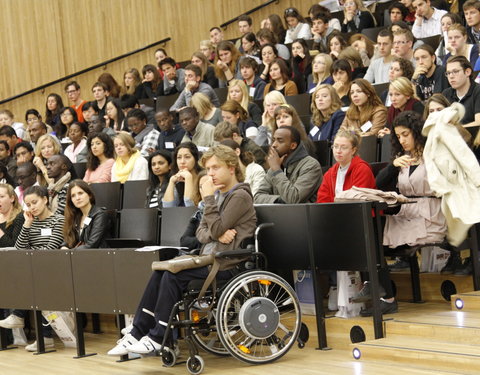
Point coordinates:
[(415, 279)]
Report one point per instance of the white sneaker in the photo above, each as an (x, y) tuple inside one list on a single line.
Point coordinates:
[(126, 330), (12, 321), (144, 346), (122, 345), (49, 344)]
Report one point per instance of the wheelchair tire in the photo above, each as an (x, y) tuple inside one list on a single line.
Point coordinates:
[(195, 365), (169, 358), (258, 317), (206, 337)]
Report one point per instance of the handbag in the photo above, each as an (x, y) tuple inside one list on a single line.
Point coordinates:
[(183, 262)]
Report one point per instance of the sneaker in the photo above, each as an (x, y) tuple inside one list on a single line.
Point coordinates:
[(399, 265), (122, 345), (385, 308), (366, 294), (145, 346), (12, 321), (126, 330), (48, 341)]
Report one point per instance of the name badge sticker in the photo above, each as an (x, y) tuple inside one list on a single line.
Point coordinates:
[(87, 220), (314, 131), (46, 231), (170, 145), (366, 127)]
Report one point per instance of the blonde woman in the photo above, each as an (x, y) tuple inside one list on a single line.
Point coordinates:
[(327, 115), (208, 50), (208, 71), (403, 98), (209, 114), (356, 17), (129, 164), (11, 216), (321, 71), (46, 147), (237, 91), (271, 101), (131, 80)]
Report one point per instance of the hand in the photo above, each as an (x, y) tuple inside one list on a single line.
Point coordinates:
[(209, 188), (228, 236), (190, 85), (38, 162), (274, 161), (107, 121), (150, 150), (222, 65), (404, 161), (419, 70), (338, 85), (383, 132), (28, 219), (183, 175), (334, 54), (264, 117)]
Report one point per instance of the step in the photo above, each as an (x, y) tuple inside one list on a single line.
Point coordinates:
[(446, 326), (431, 284), (471, 301), (421, 353)]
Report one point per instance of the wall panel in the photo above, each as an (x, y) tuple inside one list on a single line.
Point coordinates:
[(44, 40)]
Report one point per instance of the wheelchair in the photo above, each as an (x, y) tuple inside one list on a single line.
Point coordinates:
[(254, 317)]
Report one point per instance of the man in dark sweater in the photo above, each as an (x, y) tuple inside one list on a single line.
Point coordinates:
[(171, 134), (428, 77)]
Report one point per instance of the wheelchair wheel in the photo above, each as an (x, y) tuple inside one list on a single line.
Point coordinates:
[(169, 358), (205, 335), (195, 365), (266, 324)]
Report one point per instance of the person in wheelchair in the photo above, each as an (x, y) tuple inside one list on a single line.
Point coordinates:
[(229, 218)]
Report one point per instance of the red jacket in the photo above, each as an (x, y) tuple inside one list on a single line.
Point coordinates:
[(359, 174)]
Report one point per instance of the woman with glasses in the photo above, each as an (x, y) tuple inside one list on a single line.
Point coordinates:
[(356, 17), (297, 26)]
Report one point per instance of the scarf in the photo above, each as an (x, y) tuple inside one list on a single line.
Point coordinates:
[(122, 170), (54, 188), (394, 112)]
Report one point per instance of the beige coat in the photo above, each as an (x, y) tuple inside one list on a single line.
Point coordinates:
[(453, 172), (378, 118)]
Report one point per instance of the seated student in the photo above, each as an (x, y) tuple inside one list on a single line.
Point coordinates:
[(46, 147), (101, 94), (399, 68), (31, 116), (216, 36), (171, 134), (113, 87), (463, 89), (132, 82), (421, 222), (237, 91), (364, 46), (226, 223), (269, 54), (182, 188), (192, 77), (86, 225), (250, 46), (41, 230), (403, 98), (356, 17), (152, 84), (209, 114), (23, 152), (97, 125), (297, 27), (146, 137), (294, 176), (129, 102), (160, 55), (342, 80), (321, 30), (52, 107), (99, 158), (265, 131), (427, 19), (36, 130), (26, 176), (7, 133), (403, 41), (448, 19), (235, 114), (7, 119), (255, 84), (327, 115), (244, 27), (471, 10), (253, 172), (208, 71), (366, 113), (77, 151), (279, 79), (67, 117), (159, 168), (266, 36), (355, 60), (335, 44), (226, 63), (11, 216), (195, 131), (115, 118), (428, 77), (458, 46), (274, 24), (60, 171), (88, 110), (208, 49), (74, 94), (321, 72), (378, 69), (301, 64), (397, 12), (6, 160), (129, 164), (228, 131)]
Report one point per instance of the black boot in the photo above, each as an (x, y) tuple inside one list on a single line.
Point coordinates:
[(454, 262)]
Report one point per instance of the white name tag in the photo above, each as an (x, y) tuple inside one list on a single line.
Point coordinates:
[(314, 131), (169, 145), (251, 92), (46, 232), (87, 221), (366, 127)]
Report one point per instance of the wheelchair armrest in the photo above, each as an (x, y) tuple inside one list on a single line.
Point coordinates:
[(240, 253)]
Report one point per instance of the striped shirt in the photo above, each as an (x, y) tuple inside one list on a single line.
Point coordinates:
[(43, 234)]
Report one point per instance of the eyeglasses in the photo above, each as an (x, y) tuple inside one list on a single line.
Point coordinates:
[(341, 148), (71, 91), (400, 42), (349, 4), (453, 72)]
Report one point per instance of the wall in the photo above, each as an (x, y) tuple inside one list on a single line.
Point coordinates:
[(44, 40)]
